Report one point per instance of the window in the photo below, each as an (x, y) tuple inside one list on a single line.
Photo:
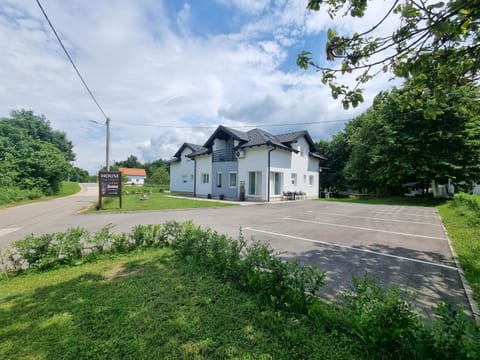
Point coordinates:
[(300, 148), (276, 182), (294, 179), (254, 182), (205, 178), (232, 181), (304, 178), (191, 177), (311, 180), (184, 178), (219, 179)]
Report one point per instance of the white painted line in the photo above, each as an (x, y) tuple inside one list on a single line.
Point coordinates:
[(404, 214), (366, 229), (6, 231), (353, 248), (375, 218)]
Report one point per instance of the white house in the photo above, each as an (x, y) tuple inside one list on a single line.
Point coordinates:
[(262, 166), (134, 176)]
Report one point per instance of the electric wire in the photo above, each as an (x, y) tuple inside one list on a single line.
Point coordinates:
[(233, 126), (155, 125), (70, 59)]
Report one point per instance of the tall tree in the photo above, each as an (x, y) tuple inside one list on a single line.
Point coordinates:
[(131, 162), (337, 153), (409, 135), (442, 34), (38, 127), (30, 155)]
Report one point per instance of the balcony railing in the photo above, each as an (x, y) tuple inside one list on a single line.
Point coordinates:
[(224, 155)]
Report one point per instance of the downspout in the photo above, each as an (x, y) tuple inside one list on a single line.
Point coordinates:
[(319, 181), (268, 174), (194, 177)]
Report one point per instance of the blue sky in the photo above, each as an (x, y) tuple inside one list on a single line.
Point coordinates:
[(167, 72)]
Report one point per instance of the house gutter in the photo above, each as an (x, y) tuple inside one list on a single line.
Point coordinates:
[(268, 174), (194, 177)]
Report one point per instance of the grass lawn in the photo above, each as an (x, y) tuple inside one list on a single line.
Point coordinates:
[(463, 226), (147, 305), (393, 200), (66, 189), (155, 201)]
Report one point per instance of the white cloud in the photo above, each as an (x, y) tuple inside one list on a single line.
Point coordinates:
[(247, 6), (144, 72)]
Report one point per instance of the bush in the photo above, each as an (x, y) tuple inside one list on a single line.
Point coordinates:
[(381, 320), (471, 202), (13, 194)]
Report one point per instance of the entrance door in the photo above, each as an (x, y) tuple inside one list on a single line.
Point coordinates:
[(254, 183)]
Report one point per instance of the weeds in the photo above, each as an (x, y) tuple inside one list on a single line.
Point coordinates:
[(381, 320)]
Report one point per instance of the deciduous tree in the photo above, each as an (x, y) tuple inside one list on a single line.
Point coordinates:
[(440, 34)]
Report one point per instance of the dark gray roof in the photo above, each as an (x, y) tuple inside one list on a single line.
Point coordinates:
[(317, 156), (291, 137), (258, 137), (255, 137), (201, 151), (193, 147), (223, 131)]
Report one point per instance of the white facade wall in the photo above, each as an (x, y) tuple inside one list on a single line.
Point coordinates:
[(204, 166), (303, 168), (135, 179), (181, 173), (281, 162), (256, 159)]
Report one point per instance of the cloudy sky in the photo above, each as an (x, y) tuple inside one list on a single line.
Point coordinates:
[(166, 72)]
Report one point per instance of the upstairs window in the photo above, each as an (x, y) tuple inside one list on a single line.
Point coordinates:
[(205, 178), (232, 180)]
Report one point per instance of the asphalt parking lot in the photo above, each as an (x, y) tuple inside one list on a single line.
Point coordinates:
[(399, 245)]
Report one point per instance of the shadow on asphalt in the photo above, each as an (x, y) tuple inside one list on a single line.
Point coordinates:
[(430, 283)]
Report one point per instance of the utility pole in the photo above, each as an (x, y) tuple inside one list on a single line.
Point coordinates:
[(107, 162)]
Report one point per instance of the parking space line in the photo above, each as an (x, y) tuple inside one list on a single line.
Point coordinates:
[(405, 214), (6, 231), (352, 248), (375, 218), (366, 229)]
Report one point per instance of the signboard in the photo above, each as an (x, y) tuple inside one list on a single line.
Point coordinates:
[(110, 185)]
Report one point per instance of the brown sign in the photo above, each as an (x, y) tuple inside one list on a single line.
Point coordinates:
[(110, 185)]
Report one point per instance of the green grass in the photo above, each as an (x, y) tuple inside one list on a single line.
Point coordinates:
[(155, 201), (392, 200), (148, 305), (66, 189), (463, 225)]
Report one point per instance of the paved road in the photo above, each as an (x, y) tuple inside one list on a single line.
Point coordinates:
[(43, 216), (397, 244)]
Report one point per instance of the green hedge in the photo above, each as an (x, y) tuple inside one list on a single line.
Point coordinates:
[(381, 321), (11, 194)]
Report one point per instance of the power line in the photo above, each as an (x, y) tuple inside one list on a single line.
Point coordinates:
[(69, 58), (236, 127)]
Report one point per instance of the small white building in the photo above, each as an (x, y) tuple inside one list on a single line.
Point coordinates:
[(260, 165), (134, 176)]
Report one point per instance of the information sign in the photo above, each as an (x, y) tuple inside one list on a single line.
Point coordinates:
[(110, 185)]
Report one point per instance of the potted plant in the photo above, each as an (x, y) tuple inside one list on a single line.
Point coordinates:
[(221, 196)]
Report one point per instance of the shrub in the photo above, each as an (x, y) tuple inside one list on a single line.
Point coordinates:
[(14, 194), (383, 320), (453, 334)]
